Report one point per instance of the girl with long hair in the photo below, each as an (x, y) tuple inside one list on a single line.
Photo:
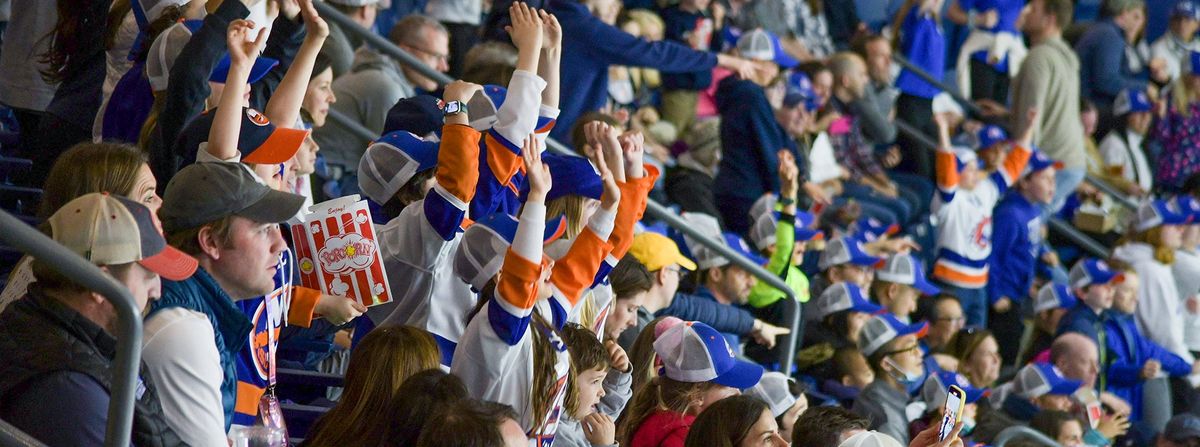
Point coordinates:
[(978, 355)]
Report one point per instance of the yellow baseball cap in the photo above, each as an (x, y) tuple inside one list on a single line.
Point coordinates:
[(656, 251)]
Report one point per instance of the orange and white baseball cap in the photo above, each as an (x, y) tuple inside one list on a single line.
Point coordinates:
[(110, 230)]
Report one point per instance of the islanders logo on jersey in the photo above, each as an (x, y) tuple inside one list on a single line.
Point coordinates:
[(265, 318), (981, 235)]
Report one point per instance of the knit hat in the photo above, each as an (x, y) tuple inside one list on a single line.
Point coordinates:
[(421, 115)]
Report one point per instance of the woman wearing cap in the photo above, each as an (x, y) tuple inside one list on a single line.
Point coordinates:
[(87, 168), (698, 370), (738, 421), (1150, 246), (1178, 129), (784, 403), (1123, 148)]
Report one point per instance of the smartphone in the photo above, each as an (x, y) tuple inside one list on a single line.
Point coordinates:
[(955, 401), (1091, 404)]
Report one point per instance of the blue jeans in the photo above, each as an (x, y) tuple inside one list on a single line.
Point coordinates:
[(974, 303), (863, 193), (1065, 182)]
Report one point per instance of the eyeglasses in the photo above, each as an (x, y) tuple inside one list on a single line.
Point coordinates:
[(957, 319), (915, 347), (436, 55)]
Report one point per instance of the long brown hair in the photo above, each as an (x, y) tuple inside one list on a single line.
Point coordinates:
[(87, 168), (545, 375), (587, 353), (1153, 237), (726, 423), (379, 365), (659, 394), (571, 207), (642, 355)]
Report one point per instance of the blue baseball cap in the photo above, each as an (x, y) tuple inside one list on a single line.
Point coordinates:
[(1090, 271), (1132, 101), (884, 328), (1186, 9), (843, 296), (870, 229), (1039, 161), (1189, 205), (991, 135), (906, 269), (763, 231), (570, 175), (847, 250), (1158, 212), (482, 107), (763, 45), (391, 161), (421, 115), (800, 90), (740, 246), (1054, 296), (262, 66), (934, 391), (1041, 378), (694, 352)]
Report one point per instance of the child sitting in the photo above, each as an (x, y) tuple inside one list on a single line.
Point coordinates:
[(597, 391)]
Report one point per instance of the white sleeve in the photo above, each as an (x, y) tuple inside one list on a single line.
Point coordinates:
[(1159, 302), (516, 118), (1112, 150), (528, 241), (181, 356), (602, 223)]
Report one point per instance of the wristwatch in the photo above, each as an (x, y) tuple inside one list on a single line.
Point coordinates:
[(454, 108)]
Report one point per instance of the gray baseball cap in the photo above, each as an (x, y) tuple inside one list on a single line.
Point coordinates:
[(1182, 428), (205, 192)]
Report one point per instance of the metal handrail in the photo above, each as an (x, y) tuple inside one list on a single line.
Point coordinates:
[(653, 208), (924, 75), (13, 437), (25, 238)]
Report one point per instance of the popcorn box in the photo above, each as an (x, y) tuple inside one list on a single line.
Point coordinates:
[(336, 249)]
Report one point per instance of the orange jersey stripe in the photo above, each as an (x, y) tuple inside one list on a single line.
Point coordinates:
[(518, 284), (502, 161), (576, 271), (458, 160), (958, 278), (1014, 163), (947, 170), (304, 302), (248, 396)]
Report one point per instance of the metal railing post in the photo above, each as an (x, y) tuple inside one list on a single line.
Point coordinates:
[(129, 318), (653, 208)]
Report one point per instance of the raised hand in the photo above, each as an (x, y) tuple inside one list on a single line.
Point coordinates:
[(244, 42), (612, 194), (617, 358), (604, 138), (461, 91), (314, 26), (537, 173), (599, 429), (526, 28), (551, 31), (789, 174), (289, 8), (633, 144)]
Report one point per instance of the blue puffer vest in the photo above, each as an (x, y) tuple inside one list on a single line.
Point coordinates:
[(201, 293)]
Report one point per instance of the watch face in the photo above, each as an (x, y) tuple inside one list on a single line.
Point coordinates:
[(453, 107)]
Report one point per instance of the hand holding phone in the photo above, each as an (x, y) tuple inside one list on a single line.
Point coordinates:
[(955, 402)]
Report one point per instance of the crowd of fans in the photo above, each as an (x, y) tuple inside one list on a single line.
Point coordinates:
[(534, 302)]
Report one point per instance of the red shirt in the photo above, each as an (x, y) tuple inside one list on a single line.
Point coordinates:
[(663, 429)]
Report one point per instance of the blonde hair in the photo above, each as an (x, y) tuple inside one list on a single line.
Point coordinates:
[(571, 206), (1153, 237), (1182, 96)]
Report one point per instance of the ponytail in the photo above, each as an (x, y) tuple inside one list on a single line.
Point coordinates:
[(545, 375)]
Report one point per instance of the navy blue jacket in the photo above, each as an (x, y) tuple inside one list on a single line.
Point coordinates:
[(1128, 352), (1104, 68), (728, 320), (750, 138), (678, 23), (1016, 245), (589, 47)]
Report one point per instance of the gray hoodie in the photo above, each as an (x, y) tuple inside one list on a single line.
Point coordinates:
[(616, 395), (365, 95)]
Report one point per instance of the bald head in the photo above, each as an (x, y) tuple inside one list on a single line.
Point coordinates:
[(1076, 356), (849, 75)]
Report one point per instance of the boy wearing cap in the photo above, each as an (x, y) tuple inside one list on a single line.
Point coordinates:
[(220, 214), (1038, 386), (1134, 359), (992, 146), (55, 380), (1092, 280), (894, 353), (783, 237), (963, 210), (899, 283), (751, 137), (1179, 40), (1018, 247), (933, 394), (844, 259), (840, 312), (1123, 148), (1050, 304)]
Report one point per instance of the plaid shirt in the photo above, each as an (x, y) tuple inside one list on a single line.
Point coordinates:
[(850, 147)]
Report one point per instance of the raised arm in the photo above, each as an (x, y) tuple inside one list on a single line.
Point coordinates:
[(947, 162), (1014, 163), (227, 123), (551, 58), (446, 203), (283, 108), (521, 273)]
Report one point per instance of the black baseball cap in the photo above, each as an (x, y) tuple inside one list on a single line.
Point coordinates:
[(420, 115), (1182, 428), (205, 192)]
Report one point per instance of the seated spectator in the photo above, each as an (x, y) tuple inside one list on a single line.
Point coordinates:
[(372, 86), (1018, 249), (490, 63), (775, 389), (1092, 280), (598, 387), (1177, 118), (978, 354), (57, 378), (1124, 148), (1076, 356), (850, 375), (899, 284), (1060, 426), (963, 209), (1105, 51), (933, 395), (342, 45), (1051, 303), (472, 423), (945, 320), (826, 426), (1037, 387), (841, 312), (421, 396), (220, 214), (1183, 430), (876, 51), (893, 351), (86, 168), (1175, 46), (665, 408), (379, 366), (844, 259), (751, 136), (1132, 359), (736, 421), (642, 356), (631, 284)]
